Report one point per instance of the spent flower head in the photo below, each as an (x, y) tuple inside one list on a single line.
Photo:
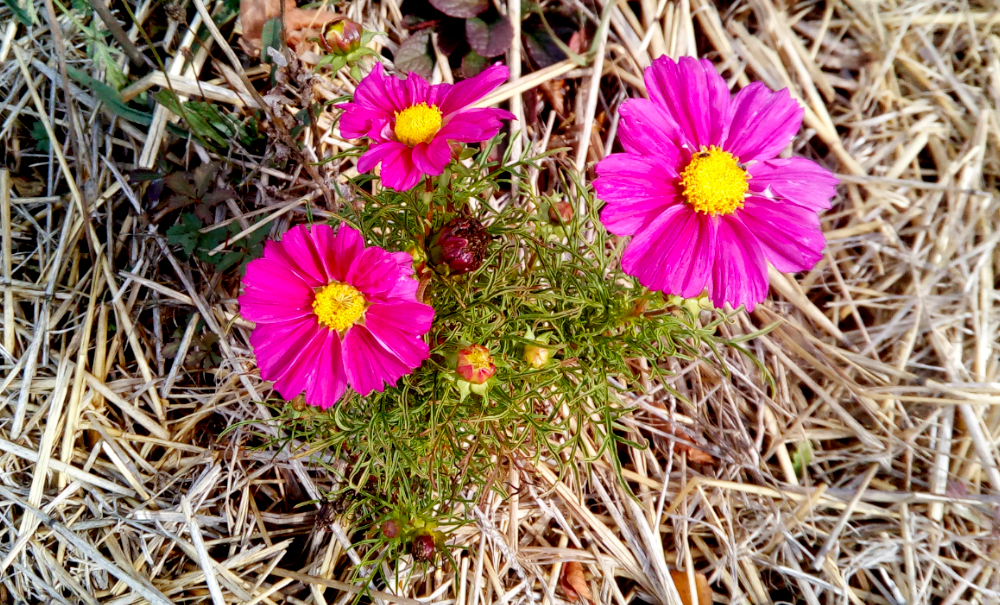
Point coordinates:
[(560, 213), (475, 364), (702, 191), (459, 246)]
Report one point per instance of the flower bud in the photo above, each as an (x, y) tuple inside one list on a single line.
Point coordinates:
[(475, 365), (536, 356), (423, 547), (560, 213), (299, 403), (341, 37), (390, 529), (459, 246)]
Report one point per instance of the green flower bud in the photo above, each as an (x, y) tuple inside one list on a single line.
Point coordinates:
[(341, 37)]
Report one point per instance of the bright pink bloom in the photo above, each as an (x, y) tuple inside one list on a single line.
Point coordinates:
[(411, 122), (331, 312), (700, 189)]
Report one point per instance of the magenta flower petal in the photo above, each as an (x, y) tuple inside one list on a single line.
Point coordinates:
[(287, 299), (398, 170), (301, 365), (767, 122), (406, 286), (306, 343), (378, 152), (376, 100), (682, 235), (374, 272), (432, 158), (795, 180), (636, 188), (469, 91), (694, 96), (739, 275), (330, 381), (297, 244), (474, 125), (341, 251), (370, 366), (646, 129), (389, 326), (789, 234), (412, 122)]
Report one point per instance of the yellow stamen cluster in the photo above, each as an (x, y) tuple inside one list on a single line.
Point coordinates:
[(479, 358), (417, 124), (338, 306), (714, 182)]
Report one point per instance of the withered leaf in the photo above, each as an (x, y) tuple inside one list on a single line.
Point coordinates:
[(574, 583), (704, 591), (28, 187), (194, 187)]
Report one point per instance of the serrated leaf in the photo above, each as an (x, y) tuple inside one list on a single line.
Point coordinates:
[(185, 233), (180, 183), (41, 137), (489, 39), (462, 9), (414, 55), (227, 260)]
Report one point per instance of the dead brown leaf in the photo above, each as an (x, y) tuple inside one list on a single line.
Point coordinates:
[(555, 92), (300, 24), (28, 187), (704, 592), (693, 454), (573, 582)]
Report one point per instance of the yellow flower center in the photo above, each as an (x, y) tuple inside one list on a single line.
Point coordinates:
[(338, 306), (418, 124), (714, 182), (479, 358)]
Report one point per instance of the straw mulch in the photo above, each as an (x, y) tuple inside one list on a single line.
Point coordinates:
[(868, 472)]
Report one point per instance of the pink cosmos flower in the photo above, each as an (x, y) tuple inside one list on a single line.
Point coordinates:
[(411, 122), (701, 189), (331, 312)]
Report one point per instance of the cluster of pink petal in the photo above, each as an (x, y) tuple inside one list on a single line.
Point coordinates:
[(301, 355), (679, 250), (379, 97)]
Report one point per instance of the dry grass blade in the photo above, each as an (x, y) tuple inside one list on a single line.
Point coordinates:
[(862, 467)]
